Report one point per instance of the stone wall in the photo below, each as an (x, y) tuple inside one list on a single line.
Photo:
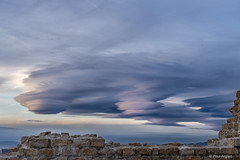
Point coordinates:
[(63, 146)]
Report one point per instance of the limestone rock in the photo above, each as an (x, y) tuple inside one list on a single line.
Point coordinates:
[(44, 133), (236, 142), (119, 151), (106, 151), (128, 151), (39, 143), (213, 150), (98, 142), (89, 151), (238, 94), (24, 139), (187, 151), (64, 135), (144, 151), (46, 152), (201, 151), (81, 142), (213, 142), (172, 151), (61, 142), (31, 152), (229, 151)]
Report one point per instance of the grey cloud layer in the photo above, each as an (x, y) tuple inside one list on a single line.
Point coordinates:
[(118, 58), (128, 86), (2, 80)]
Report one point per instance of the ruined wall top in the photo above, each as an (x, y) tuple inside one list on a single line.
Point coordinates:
[(232, 128)]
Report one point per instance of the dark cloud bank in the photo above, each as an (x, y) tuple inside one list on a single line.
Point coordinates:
[(131, 86)]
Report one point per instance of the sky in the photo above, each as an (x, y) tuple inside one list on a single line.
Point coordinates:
[(154, 71)]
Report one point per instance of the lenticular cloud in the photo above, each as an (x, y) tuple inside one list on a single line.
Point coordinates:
[(125, 85)]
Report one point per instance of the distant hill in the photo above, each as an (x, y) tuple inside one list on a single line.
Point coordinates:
[(199, 143), (8, 144)]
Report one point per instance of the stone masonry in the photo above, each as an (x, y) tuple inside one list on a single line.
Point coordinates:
[(53, 146)]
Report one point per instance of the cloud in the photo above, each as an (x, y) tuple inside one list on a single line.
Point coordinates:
[(125, 86), (123, 59), (7, 128), (35, 121), (2, 80)]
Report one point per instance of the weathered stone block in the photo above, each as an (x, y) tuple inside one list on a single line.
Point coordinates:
[(61, 142), (119, 151), (89, 151), (230, 125), (90, 135), (227, 142), (54, 135), (39, 143), (229, 120), (24, 139), (224, 126), (225, 133), (116, 144), (229, 151), (172, 151), (31, 152), (235, 134), (106, 151), (69, 151), (46, 152), (213, 142), (81, 142), (21, 152), (236, 142), (162, 151), (44, 133), (213, 150), (75, 136), (200, 151), (144, 151), (64, 135), (235, 126), (155, 158), (238, 94), (155, 151), (233, 109), (128, 151), (187, 151), (97, 142)]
